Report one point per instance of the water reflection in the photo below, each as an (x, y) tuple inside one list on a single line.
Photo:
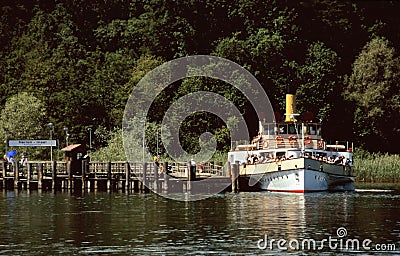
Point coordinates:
[(121, 224)]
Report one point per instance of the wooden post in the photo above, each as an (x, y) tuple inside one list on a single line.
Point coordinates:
[(191, 176), (40, 175), (234, 177), (16, 175), (192, 172), (84, 174), (70, 177), (228, 169), (144, 182), (109, 177), (136, 182), (4, 170), (94, 177), (155, 166), (127, 177), (54, 175), (219, 169), (28, 179), (166, 178)]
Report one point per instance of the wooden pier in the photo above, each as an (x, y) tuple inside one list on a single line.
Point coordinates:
[(115, 176)]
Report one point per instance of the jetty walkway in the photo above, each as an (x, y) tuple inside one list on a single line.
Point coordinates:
[(114, 176)]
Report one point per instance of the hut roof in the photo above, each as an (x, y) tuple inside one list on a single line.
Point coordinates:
[(71, 147)]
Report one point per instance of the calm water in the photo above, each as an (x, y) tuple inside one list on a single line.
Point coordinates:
[(38, 223)]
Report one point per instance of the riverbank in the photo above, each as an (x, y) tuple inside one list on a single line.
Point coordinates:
[(376, 167)]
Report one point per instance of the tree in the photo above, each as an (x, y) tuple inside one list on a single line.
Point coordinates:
[(24, 117), (319, 80), (374, 87)]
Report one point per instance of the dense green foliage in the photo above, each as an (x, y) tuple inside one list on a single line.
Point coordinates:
[(24, 117), (374, 87), (81, 58)]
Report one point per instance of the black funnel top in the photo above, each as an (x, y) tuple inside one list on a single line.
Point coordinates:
[(290, 89)]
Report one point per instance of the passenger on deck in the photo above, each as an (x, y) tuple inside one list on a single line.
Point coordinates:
[(201, 166), (348, 162), (255, 159), (155, 159)]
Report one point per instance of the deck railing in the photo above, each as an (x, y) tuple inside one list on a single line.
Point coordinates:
[(284, 142)]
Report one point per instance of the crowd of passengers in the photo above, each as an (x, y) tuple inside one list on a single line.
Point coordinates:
[(332, 159)]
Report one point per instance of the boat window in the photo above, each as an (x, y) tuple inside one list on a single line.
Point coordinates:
[(279, 154), (305, 129), (282, 129), (292, 129), (312, 130), (319, 130), (271, 129), (266, 155)]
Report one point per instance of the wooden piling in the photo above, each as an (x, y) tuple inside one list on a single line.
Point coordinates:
[(16, 175), (166, 178), (54, 175), (155, 168), (109, 177), (70, 176), (127, 177), (29, 175), (234, 177), (219, 169), (4, 170), (227, 169), (144, 181), (85, 171), (40, 175), (192, 172), (191, 177)]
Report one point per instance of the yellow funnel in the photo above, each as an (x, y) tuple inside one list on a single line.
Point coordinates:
[(290, 107)]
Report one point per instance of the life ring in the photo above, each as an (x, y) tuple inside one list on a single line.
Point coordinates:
[(265, 144), (292, 139), (161, 169), (279, 140), (307, 140), (256, 139), (321, 144)]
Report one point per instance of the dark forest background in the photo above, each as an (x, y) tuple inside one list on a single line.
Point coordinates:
[(74, 62)]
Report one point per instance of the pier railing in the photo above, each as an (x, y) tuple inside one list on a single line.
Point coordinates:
[(113, 176), (34, 170)]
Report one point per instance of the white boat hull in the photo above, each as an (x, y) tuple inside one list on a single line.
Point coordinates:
[(292, 176), (300, 181)]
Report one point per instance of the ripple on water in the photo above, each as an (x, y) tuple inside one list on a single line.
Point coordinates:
[(227, 224)]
